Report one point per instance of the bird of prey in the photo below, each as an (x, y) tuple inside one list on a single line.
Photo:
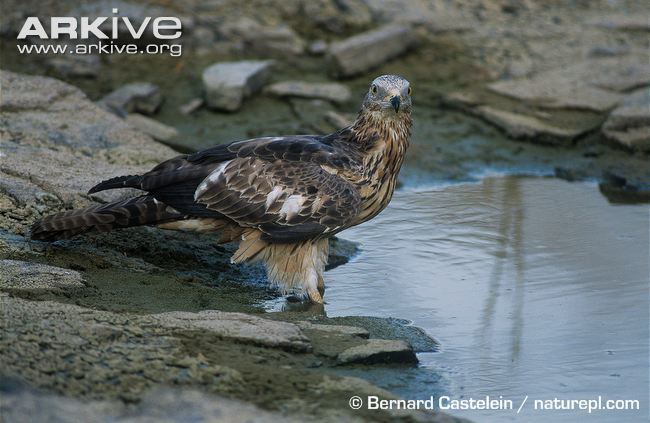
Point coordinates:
[(281, 198)]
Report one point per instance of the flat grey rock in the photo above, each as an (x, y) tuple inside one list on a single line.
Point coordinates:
[(140, 97), (627, 117), (365, 51), (376, 351), (619, 74), (629, 124), (527, 127), (565, 88), (240, 327), (595, 84), (535, 126), (157, 130), (337, 329), (331, 91), (632, 138), (228, 84), (539, 107), (16, 275), (391, 328)]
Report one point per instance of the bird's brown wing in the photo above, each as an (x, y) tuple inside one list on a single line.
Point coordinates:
[(175, 181), (189, 167), (286, 200), (295, 148)]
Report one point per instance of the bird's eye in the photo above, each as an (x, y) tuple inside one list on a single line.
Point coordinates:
[(373, 89), (410, 90)]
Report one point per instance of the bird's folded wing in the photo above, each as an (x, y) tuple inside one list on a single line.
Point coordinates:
[(287, 200), (296, 148)]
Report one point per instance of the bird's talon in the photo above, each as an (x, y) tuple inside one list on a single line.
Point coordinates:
[(314, 296)]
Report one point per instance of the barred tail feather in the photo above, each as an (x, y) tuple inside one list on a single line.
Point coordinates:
[(144, 210)]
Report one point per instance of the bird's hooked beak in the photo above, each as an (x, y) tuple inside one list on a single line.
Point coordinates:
[(395, 102)]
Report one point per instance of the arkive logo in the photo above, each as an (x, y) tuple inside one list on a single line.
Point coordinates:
[(162, 28)]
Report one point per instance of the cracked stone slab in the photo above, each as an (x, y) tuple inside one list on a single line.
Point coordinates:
[(632, 138), (375, 351), (620, 74), (228, 84), (526, 123), (629, 124), (337, 329), (523, 126), (392, 328), (16, 275), (239, 327), (589, 85), (365, 51), (140, 97), (553, 90), (158, 130)]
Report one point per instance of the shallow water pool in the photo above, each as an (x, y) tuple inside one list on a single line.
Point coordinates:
[(532, 286)]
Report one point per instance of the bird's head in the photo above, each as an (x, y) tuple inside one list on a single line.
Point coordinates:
[(389, 94)]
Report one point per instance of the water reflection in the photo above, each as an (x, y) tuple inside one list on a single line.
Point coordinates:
[(532, 286), (510, 229)]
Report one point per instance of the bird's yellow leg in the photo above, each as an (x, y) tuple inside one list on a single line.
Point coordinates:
[(311, 285)]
